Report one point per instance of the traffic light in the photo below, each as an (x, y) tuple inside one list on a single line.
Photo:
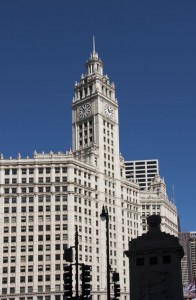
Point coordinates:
[(86, 278), (115, 276), (68, 254), (116, 290), (67, 278)]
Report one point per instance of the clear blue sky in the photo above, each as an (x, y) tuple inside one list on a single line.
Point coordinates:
[(149, 51)]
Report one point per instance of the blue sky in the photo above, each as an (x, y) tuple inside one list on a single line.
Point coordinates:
[(148, 49)]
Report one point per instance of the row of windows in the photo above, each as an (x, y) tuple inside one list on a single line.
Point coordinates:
[(30, 278), (31, 248), (108, 132), (31, 268), (41, 198), (105, 91), (154, 260), (30, 238), (76, 180), (131, 192), (108, 173), (84, 201), (86, 124), (141, 170), (108, 165), (32, 180), (31, 258), (148, 206), (108, 141), (108, 125), (86, 141), (30, 218), (110, 150), (85, 91), (12, 290), (85, 210), (110, 184), (40, 228), (24, 209), (30, 171), (25, 190), (141, 163), (86, 192), (57, 297), (86, 132), (110, 201), (83, 174)]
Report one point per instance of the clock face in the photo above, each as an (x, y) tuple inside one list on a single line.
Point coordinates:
[(109, 111), (84, 110)]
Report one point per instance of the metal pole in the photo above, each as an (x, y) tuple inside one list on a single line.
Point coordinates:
[(108, 256), (195, 261), (76, 258)]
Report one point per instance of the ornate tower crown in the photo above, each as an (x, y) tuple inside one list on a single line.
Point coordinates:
[(94, 64)]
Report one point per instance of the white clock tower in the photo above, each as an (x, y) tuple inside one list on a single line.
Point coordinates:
[(95, 130)]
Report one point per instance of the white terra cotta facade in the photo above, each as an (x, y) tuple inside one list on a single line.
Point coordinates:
[(44, 197)]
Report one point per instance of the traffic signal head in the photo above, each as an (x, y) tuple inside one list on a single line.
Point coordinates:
[(67, 278), (86, 278), (115, 276), (68, 254), (116, 290)]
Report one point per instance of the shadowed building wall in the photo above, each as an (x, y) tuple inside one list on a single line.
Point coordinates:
[(155, 264)]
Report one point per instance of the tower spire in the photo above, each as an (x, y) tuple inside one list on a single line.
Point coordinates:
[(94, 44), (94, 63)]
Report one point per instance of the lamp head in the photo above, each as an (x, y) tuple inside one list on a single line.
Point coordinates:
[(104, 213)]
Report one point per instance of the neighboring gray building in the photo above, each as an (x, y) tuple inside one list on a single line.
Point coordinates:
[(183, 239), (188, 241), (142, 171), (192, 255)]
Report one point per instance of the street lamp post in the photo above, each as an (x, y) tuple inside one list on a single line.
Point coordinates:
[(104, 217)]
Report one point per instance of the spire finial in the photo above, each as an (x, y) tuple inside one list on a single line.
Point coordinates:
[(93, 44)]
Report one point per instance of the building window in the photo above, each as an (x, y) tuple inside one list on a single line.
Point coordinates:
[(5, 260), (12, 270), (40, 278), (47, 289), (153, 260), (14, 171), (47, 278), (40, 257), (6, 210), (40, 170), (4, 280), (23, 238), (4, 291), (57, 170), (166, 259), (140, 261), (47, 267), (47, 208)]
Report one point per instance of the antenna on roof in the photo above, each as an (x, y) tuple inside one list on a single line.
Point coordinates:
[(94, 44), (173, 194)]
